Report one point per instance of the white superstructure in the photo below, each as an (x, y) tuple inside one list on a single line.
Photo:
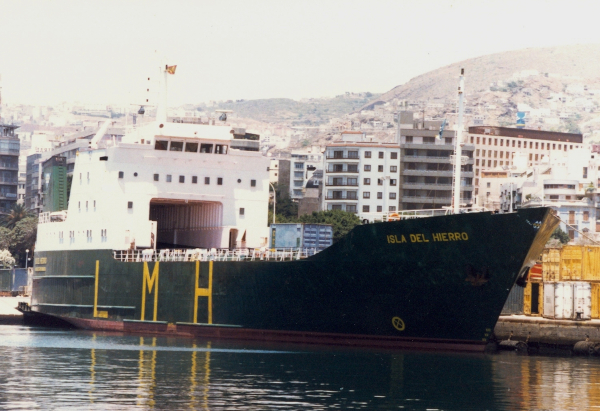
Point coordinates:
[(167, 185)]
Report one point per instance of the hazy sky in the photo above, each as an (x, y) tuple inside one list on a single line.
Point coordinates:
[(99, 51)]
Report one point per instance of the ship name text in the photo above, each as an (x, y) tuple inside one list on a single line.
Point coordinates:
[(425, 238)]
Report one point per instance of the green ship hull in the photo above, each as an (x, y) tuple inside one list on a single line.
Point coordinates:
[(437, 282)]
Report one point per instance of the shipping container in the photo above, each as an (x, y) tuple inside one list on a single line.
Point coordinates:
[(582, 301), (570, 262), (532, 301), (5, 279), (595, 296), (294, 235), (514, 302), (19, 279), (535, 273), (563, 300), (551, 264), (548, 300), (590, 270)]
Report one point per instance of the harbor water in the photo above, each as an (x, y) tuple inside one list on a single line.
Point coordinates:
[(47, 369)]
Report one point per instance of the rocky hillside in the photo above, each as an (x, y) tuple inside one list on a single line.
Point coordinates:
[(575, 61), (306, 112)]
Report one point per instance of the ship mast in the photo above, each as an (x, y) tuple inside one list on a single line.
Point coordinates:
[(458, 143), (161, 109)]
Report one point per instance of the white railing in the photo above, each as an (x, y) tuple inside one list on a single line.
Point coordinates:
[(214, 254), (410, 214)]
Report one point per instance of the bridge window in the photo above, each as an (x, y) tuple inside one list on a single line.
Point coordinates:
[(206, 148), (176, 146), (161, 144), (191, 147), (194, 179)]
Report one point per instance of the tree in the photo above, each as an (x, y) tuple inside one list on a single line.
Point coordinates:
[(6, 259), (23, 238), (342, 221), (5, 238), (16, 214), (560, 235), (286, 208)]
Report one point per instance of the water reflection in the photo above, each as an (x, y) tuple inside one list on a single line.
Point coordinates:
[(49, 369), (550, 382)]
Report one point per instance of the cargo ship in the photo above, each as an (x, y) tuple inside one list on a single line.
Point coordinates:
[(166, 233)]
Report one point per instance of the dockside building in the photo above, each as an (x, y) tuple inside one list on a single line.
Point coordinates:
[(426, 167), (9, 167), (361, 176), (495, 148)]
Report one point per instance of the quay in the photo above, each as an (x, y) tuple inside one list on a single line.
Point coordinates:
[(8, 310), (546, 331)]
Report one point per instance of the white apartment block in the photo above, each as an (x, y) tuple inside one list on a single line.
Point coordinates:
[(361, 177), (496, 147), (568, 183), (303, 164)]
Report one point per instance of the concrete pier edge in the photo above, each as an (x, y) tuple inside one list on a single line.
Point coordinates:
[(546, 331)]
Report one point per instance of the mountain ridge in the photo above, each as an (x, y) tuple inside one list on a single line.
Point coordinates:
[(480, 71)]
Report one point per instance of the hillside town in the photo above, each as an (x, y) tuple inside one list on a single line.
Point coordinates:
[(528, 141)]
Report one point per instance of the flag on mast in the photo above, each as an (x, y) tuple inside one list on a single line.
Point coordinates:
[(171, 69)]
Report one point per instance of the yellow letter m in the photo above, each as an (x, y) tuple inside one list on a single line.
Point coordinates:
[(149, 282)]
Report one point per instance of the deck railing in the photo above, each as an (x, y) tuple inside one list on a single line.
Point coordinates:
[(421, 213), (214, 254)]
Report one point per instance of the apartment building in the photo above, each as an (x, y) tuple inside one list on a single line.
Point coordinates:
[(303, 164), (427, 171), (568, 183), (496, 146), (361, 176), (33, 181), (9, 167)]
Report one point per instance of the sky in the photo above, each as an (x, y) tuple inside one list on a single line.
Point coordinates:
[(102, 51)]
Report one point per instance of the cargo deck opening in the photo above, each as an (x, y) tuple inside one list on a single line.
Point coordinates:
[(183, 223)]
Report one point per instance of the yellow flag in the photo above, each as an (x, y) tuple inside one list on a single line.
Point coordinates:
[(171, 69)]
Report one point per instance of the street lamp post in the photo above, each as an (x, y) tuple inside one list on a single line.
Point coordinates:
[(26, 257), (274, 201)]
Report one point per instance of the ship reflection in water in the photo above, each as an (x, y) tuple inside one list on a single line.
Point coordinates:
[(54, 369)]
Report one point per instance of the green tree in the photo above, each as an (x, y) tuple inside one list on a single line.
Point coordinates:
[(16, 214), (560, 235), (5, 238), (342, 221), (286, 208), (23, 238)]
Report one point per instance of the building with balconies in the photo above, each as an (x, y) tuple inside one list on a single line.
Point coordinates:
[(33, 181), (9, 167), (303, 164), (497, 147), (360, 176), (426, 168), (569, 184)]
